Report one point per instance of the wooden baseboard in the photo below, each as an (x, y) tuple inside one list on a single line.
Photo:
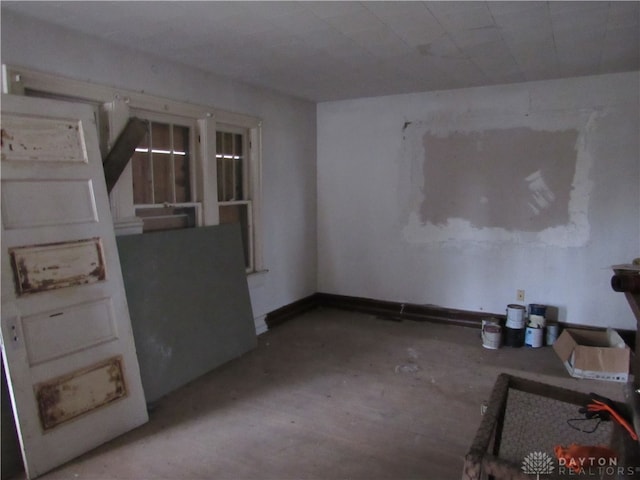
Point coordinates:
[(291, 310), (384, 309), (404, 311), (399, 311)]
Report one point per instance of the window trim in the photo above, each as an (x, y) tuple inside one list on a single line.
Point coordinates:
[(15, 80)]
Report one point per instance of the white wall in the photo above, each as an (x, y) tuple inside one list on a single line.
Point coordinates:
[(380, 161), (289, 136), (372, 240)]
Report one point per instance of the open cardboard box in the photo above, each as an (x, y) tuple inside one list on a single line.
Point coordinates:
[(594, 354)]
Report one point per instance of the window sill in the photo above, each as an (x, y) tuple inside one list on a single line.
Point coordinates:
[(127, 226)]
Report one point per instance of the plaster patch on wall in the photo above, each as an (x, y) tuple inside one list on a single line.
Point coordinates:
[(519, 180), (515, 178)]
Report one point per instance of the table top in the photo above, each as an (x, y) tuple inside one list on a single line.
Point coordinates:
[(525, 420)]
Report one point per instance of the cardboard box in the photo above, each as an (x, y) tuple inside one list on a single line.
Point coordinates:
[(594, 354)]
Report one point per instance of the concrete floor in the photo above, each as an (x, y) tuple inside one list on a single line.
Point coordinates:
[(328, 395)]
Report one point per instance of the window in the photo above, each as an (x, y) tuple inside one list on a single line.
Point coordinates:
[(161, 165), (234, 197), (197, 166), (163, 190)]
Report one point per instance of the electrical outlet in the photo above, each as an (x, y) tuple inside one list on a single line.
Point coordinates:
[(520, 295)]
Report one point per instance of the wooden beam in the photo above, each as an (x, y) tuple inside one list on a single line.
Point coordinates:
[(121, 152)]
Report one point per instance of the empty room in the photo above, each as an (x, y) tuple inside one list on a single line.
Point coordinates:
[(320, 240)]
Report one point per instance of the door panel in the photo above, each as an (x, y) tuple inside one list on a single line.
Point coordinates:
[(68, 349), (27, 204), (24, 136), (57, 265), (79, 392), (86, 325)]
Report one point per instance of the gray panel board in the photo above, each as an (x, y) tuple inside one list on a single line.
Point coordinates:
[(189, 303)]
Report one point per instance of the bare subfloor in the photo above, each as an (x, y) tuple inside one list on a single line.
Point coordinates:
[(328, 395)]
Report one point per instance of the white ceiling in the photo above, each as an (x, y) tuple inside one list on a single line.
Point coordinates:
[(336, 50)]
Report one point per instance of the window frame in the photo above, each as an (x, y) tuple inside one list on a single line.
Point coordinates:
[(194, 160), (15, 80), (247, 185)]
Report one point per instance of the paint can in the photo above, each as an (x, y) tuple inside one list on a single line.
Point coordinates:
[(491, 336), (537, 309), (552, 333), (514, 337), (515, 316), (533, 337)]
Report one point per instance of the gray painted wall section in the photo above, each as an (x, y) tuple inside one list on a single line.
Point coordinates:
[(189, 303)]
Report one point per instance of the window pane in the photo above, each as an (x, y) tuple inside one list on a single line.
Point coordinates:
[(239, 166), (238, 146), (141, 168), (160, 136), (181, 164), (228, 165), (162, 166), (227, 143), (230, 162), (224, 161), (238, 214), (220, 180), (162, 179), (219, 166), (239, 194)]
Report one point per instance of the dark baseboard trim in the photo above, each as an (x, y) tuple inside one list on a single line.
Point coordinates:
[(291, 310), (404, 311), (399, 311), (384, 309)]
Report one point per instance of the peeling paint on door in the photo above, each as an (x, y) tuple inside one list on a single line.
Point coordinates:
[(26, 138), (69, 396), (57, 265)]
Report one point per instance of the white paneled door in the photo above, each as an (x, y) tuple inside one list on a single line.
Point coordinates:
[(67, 343)]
